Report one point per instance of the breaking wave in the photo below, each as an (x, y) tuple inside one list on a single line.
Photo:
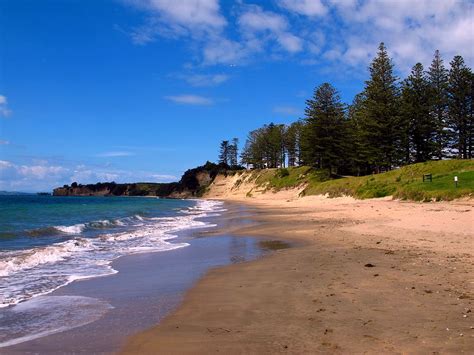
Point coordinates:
[(40, 270)]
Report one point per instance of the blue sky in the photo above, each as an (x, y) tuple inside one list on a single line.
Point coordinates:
[(141, 90)]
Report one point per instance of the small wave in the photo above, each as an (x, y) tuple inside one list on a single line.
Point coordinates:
[(15, 261), (75, 229), (41, 270), (81, 227), (105, 223)]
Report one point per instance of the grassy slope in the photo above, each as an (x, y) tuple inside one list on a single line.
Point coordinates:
[(403, 183)]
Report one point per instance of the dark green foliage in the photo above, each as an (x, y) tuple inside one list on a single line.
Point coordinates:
[(228, 154), (224, 153), (234, 153), (438, 93), (292, 143), (265, 147), (324, 133), (428, 116), (379, 117), (460, 121), (419, 128)]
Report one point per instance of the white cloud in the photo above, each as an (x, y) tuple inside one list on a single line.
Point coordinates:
[(223, 51), (290, 42), (46, 176), (4, 110), (26, 176), (412, 30), (115, 154), (178, 18), (205, 79), (266, 25), (287, 110), (305, 7), (188, 13), (190, 100), (256, 19), (342, 34)]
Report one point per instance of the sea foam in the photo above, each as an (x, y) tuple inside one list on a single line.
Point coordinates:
[(38, 271)]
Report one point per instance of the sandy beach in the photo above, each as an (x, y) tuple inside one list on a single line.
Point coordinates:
[(365, 276)]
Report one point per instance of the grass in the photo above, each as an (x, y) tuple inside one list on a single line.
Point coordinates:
[(404, 183)]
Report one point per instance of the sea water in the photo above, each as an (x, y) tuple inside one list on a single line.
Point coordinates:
[(48, 242)]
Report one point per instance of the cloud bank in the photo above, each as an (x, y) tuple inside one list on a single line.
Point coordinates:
[(331, 33), (44, 175)]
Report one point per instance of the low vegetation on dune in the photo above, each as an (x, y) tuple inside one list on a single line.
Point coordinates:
[(404, 183)]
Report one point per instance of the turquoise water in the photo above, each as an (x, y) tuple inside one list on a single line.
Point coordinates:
[(47, 242), (31, 220)]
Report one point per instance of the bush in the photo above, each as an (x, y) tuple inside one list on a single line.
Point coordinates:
[(283, 172)]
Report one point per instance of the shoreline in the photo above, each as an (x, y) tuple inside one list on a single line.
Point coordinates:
[(145, 288), (366, 276)]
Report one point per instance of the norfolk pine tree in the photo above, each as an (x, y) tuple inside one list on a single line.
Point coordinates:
[(419, 129), (380, 121), (324, 130), (460, 113), (438, 85)]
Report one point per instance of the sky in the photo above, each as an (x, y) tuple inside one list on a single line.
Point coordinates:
[(141, 90)]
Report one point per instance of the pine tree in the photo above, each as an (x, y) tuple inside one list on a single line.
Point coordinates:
[(418, 128), (323, 133), (471, 118), (292, 143), (254, 153), (460, 112), (358, 150), (224, 153), (438, 85), (275, 155), (380, 114), (234, 153)]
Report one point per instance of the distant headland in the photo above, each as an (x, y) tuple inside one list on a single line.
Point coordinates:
[(193, 183)]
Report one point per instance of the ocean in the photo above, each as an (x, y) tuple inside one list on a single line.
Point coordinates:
[(48, 242)]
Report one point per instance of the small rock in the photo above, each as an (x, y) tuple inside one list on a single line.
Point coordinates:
[(369, 265)]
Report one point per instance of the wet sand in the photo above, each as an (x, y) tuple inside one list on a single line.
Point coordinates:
[(146, 288), (373, 276)]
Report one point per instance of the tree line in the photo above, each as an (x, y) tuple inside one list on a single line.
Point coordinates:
[(392, 122)]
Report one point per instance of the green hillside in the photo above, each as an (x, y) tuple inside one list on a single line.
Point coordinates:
[(404, 183)]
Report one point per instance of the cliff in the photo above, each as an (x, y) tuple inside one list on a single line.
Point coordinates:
[(193, 183)]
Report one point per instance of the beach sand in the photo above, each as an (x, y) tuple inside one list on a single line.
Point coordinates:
[(147, 287), (371, 276)]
